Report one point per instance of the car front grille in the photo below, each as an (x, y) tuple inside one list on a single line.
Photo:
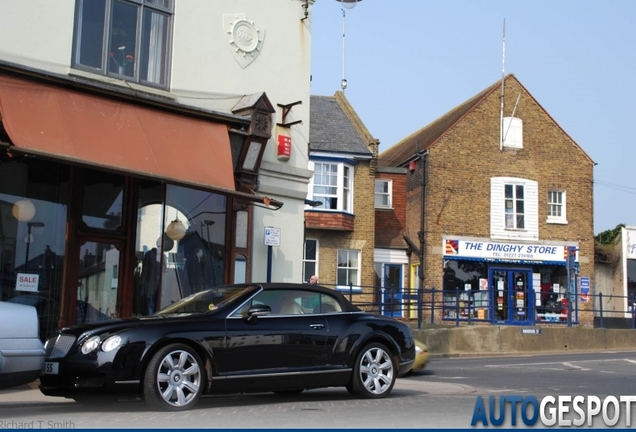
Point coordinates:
[(59, 346), (91, 382)]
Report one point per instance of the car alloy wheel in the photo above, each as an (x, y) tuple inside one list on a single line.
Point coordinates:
[(174, 378), (374, 372)]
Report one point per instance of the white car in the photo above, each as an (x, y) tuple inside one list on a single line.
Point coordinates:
[(21, 350)]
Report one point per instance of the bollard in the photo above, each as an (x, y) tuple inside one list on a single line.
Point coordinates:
[(456, 308), (433, 306), (600, 307), (631, 302)]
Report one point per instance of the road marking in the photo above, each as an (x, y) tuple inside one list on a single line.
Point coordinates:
[(570, 365)]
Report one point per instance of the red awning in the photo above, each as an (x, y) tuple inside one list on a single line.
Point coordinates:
[(75, 126)]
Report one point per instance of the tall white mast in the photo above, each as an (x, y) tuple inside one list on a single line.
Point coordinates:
[(503, 61)]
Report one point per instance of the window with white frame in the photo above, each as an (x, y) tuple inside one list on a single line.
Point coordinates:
[(332, 186), (310, 259), (383, 191), (512, 132), (514, 209), (514, 206), (127, 39), (556, 206), (348, 268)]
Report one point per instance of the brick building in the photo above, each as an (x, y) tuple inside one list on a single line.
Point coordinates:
[(507, 203), (340, 226)]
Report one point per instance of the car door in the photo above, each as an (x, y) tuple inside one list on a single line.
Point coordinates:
[(289, 339)]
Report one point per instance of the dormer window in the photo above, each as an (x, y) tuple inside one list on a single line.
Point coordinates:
[(512, 132), (124, 39)]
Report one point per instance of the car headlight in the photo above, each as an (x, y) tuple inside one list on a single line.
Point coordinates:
[(418, 350), (90, 345), (111, 343)]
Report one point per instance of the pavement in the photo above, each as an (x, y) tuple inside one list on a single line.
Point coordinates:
[(486, 340), (30, 395)]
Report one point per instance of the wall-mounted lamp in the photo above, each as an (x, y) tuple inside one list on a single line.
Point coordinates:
[(248, 145), (23, 210)]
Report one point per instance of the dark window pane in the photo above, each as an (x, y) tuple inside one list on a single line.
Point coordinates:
[(103, 197), (520, 222), (122, 39), (154, 47), (519, 192), (508, 191), (310, 249), (90, 42)]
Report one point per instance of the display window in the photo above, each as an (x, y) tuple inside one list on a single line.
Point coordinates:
[(505, 293)]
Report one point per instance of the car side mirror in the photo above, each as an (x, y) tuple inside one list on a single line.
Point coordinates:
[(256, 311)]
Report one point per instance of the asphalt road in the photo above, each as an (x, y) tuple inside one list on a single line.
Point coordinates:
[(444, 395)]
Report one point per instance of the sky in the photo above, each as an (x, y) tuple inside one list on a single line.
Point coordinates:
[(408, 62)]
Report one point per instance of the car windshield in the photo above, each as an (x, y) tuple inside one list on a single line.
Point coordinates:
[(206, 301)]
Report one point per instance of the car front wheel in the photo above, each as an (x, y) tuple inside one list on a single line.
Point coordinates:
[(174, 378), (374, 372)]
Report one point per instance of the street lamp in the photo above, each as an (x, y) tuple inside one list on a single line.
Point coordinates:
[(347, 4)]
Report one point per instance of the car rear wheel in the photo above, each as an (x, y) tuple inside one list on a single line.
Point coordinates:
[(374, 372), (174, 378)]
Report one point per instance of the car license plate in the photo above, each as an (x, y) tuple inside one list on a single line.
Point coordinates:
[(51, 368)]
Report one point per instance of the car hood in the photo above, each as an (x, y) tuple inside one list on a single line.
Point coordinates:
[(113, 325)]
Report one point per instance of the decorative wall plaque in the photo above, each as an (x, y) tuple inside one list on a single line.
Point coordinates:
[(244, 36)]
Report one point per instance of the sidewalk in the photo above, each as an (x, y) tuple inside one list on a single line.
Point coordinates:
[(30, 394), (27, 393), (484, 340)]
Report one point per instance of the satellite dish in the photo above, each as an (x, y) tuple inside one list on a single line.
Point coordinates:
[(349, 4)]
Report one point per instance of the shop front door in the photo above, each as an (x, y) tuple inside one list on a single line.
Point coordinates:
[(393, 290), (512, 294)]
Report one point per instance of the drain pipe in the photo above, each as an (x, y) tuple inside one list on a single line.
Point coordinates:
[(420, 234)]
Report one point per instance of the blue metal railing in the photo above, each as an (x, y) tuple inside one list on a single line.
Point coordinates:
[(469, 307)]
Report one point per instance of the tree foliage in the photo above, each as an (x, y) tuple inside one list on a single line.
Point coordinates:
[(609, 237)]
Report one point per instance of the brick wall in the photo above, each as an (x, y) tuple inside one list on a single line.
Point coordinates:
[(390, 223), (460, 165), (362, 236)]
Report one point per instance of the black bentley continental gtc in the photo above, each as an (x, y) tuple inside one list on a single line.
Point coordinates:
[(283, 338)]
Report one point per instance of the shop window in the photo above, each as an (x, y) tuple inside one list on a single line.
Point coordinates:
[(102, 201), (98, 282), (556, 206), (466, 293), (332, 186), (348, 271), (127, 39), (33, 213), (240, 269), (310, 259), (631, 284), (383, 193), (180, 245)]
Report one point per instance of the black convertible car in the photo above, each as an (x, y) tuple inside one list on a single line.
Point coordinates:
[(232, 339)]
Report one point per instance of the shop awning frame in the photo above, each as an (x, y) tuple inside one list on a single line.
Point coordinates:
[(75, 126)]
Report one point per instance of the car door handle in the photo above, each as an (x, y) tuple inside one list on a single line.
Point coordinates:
[(317, 326)]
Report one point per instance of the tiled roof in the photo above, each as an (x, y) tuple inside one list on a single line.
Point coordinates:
[(331, 130)]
